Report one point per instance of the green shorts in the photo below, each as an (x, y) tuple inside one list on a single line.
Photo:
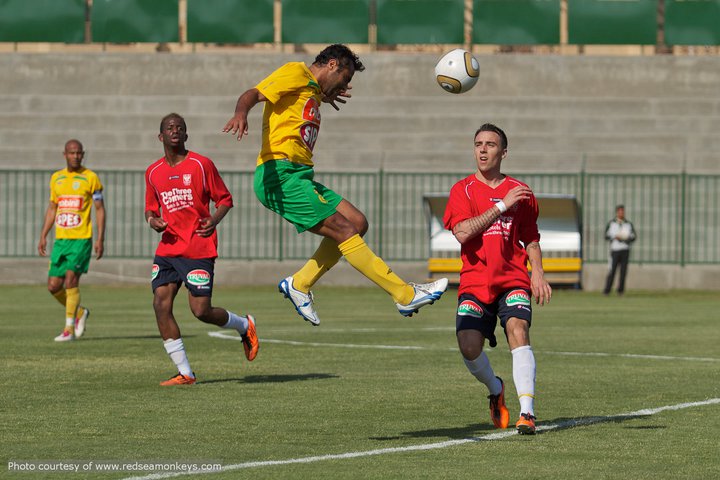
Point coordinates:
[(289, 190), (70, 254)]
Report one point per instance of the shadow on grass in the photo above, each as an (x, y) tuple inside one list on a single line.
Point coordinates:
[(451, 433), (472, 431), (273, 378), (127, 337), (647, 427)]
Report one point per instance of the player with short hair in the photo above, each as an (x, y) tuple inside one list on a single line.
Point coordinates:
[(178, 191), (284, 178), (494, 217), (73, 190)]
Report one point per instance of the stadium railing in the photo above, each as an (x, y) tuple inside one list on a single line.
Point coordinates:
[(677, 216)]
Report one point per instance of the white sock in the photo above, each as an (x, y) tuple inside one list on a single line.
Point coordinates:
[(69, 322), (481, 369), (524, 377), (176, 350), (238, 322)]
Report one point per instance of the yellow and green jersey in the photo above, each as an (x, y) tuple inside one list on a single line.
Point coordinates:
[(291, 117), (73, 192)]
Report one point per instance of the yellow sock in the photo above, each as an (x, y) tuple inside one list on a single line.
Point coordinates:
[(324, 258), (72, 302), (359, 255), (60, 297)]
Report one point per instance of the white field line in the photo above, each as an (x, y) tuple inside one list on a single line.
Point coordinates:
[(577, 422), (226, 336)]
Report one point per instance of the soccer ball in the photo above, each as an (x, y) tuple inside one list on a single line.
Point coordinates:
[(457, 71)]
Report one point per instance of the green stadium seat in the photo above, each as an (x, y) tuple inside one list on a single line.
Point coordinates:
[(230, 21), (516, 22), (612, 22), (420, 21), (129, 21), (42, 21), (325, 21), (692, 23)]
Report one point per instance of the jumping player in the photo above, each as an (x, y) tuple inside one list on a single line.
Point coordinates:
[(284, 178)]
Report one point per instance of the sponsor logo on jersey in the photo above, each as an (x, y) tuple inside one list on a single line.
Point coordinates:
[(310, 129), (70, 202), (154, 272), (177, 199), (187, 179), (311, 111), (174, 177), (470, 309), (309, 134), (517, 297), (68, 220), (198, 277)]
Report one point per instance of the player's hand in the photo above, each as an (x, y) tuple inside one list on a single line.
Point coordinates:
[(237, 125), (206, 227), (99, 249), (338, 97), (42, 245), (516, 195), (157, 224), (540, 288)]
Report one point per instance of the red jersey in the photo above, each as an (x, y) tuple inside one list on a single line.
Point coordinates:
[(183, 194), (494, 261)]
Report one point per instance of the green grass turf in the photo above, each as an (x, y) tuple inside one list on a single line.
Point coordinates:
[(98, 399)]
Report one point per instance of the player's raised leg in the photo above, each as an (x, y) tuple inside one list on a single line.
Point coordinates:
[(409, 298)]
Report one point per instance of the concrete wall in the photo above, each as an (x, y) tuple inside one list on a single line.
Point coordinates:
[(614, 114)]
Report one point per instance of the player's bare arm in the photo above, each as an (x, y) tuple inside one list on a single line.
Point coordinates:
[(100, 222), (238, 125), (47, 225), (474, 226), (540, 288), (208, 224)]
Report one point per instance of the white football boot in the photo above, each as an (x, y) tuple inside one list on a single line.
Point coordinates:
[(303, 302), (80, 322), (67, 335), (425, 294)]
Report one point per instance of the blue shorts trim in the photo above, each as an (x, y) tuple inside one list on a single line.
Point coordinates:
[(198, 274)]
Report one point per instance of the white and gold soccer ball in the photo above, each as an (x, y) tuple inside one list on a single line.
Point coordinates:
[(457, 71)]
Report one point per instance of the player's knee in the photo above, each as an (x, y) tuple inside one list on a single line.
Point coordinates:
[(469, 349), (202, 312), (363, 226), (518, 332)]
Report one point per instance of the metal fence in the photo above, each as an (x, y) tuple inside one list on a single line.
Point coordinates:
[(677, 217)]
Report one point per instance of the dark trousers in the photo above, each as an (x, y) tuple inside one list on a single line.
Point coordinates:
[(621, 258)]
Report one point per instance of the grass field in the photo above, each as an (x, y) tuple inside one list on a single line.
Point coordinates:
[(331, 402)]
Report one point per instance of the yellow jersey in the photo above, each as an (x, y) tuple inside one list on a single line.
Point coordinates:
[(291, 117), (73, 192)]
